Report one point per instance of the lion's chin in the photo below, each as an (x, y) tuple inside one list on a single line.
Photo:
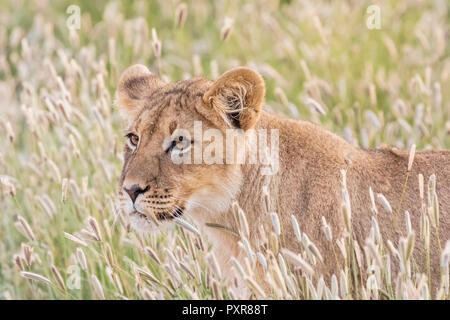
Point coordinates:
[(142, 224)]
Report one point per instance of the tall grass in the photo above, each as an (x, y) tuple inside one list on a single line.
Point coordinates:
[(61, 143)]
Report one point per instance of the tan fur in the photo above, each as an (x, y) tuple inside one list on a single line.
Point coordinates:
[(307, 185)]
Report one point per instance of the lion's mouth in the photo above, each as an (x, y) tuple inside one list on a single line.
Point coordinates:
[(160, 216)]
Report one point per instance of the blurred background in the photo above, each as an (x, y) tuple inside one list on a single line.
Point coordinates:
[(374, 75)]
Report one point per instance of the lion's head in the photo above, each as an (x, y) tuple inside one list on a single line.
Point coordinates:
[(160, 119)]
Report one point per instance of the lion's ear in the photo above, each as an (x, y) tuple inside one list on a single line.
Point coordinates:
[(135, 84), (237, 96)]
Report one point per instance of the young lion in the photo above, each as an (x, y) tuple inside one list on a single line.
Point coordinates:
[(155, 188)]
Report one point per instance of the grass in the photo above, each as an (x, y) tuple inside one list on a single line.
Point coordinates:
[(61, 143)]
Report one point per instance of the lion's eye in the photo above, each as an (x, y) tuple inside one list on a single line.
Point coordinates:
[(133, 139), (179, 144)]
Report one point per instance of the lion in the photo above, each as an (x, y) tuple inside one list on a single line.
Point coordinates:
[(155, 191)]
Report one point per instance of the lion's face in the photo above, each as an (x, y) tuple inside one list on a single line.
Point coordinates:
[(161, 178)]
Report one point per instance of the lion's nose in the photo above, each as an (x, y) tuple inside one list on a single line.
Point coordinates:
[(135, 190)]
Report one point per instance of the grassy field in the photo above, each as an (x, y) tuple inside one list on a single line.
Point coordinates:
[(61, 141)]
